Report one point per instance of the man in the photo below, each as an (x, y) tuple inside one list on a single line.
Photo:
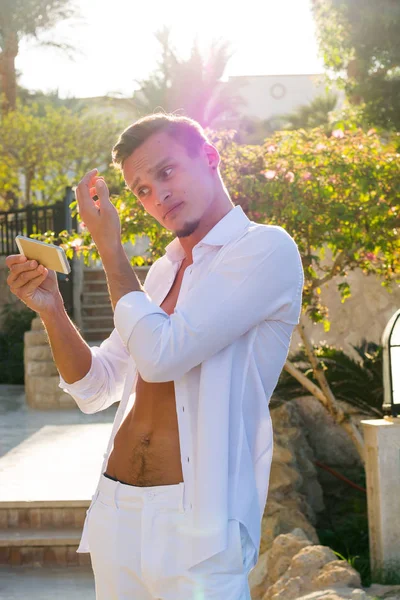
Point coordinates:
[(194, 358)]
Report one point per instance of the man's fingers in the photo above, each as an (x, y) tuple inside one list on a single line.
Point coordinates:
[(15, 259), (17, 280), (102, 192), (19, 267), (34, 283), (86, 179)]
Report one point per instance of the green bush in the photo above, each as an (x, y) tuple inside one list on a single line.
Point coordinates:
[(16, 321)]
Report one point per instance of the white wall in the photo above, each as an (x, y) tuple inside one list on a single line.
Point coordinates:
[(267, 96)]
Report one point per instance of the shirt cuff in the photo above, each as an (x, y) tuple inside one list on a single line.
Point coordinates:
[(130, 309), (85, 386)]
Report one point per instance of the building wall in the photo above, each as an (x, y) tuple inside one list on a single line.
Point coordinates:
[(267, 96)]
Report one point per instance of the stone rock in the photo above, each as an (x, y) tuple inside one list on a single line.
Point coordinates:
[(282, 454), (284, 548), (283, 520), (388, 592), (310, 560), (285, 589), (329, 442), (338, 572), (337, 593), (313, 569), (258, 577), (284, 478)]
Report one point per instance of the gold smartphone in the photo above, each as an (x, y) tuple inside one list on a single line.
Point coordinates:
[(49, 255)]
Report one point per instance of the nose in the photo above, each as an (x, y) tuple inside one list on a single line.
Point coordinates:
[(163, 196)]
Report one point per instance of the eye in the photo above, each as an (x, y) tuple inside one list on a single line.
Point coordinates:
[(167, 170), (140, 190)]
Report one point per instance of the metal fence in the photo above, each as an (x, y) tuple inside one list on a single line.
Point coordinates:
[(39, 219), (35, 219)]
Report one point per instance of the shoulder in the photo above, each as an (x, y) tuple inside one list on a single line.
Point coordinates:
[(267, 238)]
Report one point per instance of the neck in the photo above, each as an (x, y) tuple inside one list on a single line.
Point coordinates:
[(214, 214)]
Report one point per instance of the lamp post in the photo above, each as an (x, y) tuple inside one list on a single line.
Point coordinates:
[(391, 365), (382, 463)]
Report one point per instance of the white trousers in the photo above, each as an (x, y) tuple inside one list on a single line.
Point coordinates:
[(134, 538)]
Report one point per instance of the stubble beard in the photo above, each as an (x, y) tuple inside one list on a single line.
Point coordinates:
[(187, 229)]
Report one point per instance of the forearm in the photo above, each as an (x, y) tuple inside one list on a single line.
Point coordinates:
[(70, 352), (121, 278)]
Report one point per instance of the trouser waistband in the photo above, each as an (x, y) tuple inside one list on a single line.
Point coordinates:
[(117, 494)]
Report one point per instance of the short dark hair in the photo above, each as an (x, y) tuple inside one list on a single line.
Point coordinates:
[(186, 131)]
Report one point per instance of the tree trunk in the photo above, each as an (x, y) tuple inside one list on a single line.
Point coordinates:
[(8, 74), (324, 393)]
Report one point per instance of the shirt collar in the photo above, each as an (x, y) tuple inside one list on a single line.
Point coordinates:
[(227, 228)]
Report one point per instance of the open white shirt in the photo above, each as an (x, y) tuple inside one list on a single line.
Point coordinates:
[(224, 347)]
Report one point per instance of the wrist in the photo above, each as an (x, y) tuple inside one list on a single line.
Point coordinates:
[(53, 311), (111, 253)]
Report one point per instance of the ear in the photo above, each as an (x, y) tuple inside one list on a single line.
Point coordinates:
[(212, 155)]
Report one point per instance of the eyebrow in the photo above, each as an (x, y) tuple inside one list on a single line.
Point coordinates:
[(151, 170)]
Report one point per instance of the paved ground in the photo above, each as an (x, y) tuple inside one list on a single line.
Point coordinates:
[(46, 455), (18, 421), (31, 583)]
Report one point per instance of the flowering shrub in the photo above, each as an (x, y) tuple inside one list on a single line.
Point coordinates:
[(337, 194)]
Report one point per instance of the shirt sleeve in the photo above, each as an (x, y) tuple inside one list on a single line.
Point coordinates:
[(103, 383), (259, 279)]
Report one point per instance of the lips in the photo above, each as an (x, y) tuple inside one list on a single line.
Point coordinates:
[(172, 208)]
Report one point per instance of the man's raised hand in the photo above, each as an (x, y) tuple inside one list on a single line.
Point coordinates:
[(100, 216)]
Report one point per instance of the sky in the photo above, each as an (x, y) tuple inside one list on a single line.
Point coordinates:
[(116, 47)]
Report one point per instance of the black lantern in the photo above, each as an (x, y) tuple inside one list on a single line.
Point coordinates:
[(391, 365)]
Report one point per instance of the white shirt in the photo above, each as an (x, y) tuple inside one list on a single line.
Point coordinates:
[(224, 347)]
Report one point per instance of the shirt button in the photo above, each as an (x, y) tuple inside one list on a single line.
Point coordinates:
[(183, 408), (188, 459)]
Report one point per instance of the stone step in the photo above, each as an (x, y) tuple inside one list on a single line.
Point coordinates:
[(94, 286), (98, 322), (95, 298), (39, 515), (94, 275), (41, 547), (97, 310), (39, 537), (96, 335)]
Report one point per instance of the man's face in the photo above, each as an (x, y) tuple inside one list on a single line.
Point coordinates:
[(161, 174)]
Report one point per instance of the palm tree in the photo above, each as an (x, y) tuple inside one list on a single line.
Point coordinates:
[(19, 19), (192, 87), (311, 115)]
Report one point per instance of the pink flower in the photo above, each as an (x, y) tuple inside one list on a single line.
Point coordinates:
[(338, 133), (269, 174), (271, 148), (76, 242), (306, 176), (320, 147), (289, 176), (370, 256)]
